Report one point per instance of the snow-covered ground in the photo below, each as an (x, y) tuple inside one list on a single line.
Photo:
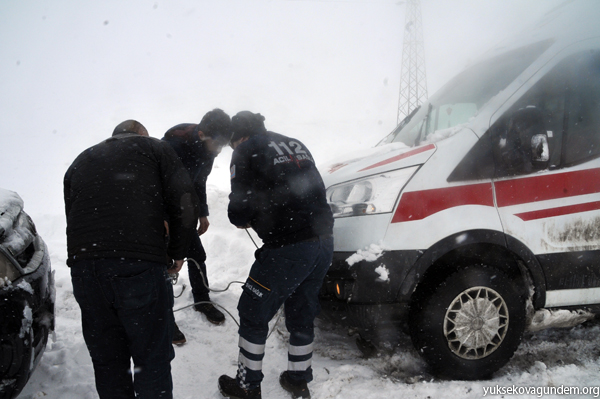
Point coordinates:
[(566, 357), (324, 71)]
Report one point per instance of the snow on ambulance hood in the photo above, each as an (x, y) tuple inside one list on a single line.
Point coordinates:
[(374, 160)]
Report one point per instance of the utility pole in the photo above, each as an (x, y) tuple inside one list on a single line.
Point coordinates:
[(413, 80)]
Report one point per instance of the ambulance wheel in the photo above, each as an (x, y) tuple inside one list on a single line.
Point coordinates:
[(470, 325)]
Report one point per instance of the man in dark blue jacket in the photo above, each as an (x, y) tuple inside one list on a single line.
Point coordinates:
[(277, 190), (197, 145), (117, 194)]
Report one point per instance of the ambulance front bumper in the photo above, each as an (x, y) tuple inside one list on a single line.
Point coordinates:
[(368, 295)]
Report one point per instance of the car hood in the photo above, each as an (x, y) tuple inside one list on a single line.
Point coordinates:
[(374, 160)]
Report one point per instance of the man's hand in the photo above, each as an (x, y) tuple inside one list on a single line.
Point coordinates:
[(177, 265), (203, 225), (166, 228)]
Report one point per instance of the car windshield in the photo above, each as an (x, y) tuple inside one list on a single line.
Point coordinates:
[(464, 95)]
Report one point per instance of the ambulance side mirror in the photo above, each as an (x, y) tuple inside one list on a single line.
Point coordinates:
[(526, 129), (540, 151)]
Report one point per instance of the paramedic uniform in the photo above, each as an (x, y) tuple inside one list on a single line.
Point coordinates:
[(277, 190)]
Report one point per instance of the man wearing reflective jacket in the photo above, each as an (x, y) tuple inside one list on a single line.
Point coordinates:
[(277, 190)]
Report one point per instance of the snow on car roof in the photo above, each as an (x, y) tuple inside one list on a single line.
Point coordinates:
[(11, 205)]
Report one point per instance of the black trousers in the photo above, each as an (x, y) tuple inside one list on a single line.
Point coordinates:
[(127, 314), (196, 251)]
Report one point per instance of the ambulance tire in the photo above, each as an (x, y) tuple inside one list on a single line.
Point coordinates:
[(470, 325)]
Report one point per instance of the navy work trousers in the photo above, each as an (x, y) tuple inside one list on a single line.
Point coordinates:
[(291, 275), (127, 313)]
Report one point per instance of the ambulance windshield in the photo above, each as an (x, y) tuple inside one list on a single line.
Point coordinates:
[(464, 95)]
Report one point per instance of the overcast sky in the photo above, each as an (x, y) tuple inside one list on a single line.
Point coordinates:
[(324, 71)]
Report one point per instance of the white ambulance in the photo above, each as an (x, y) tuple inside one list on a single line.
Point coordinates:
[(484, 200)]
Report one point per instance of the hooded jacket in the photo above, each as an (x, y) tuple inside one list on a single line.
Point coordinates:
[(118, 194)]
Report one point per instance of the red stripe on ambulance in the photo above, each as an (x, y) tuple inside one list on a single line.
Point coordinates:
[(417, 205), (401, 156), (563, 210), (547, 187)]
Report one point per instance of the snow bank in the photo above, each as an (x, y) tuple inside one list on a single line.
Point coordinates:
[(545, 318)]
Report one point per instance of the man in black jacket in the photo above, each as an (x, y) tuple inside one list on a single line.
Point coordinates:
[(277, 190), (197, 145), (117, 194)]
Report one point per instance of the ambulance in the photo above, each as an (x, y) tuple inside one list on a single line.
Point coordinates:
[(481, 207)]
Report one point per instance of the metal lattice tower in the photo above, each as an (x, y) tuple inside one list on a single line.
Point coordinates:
[(413, 80)]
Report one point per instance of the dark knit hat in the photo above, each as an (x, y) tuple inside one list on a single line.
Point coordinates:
[(247, 124)]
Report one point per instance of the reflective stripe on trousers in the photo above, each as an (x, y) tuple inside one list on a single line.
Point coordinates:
[(300, 357), (249, 362)]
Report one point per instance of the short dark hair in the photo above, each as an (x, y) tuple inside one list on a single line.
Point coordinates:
[(216, 124), (130, 126), (184, 127), (247, 124)]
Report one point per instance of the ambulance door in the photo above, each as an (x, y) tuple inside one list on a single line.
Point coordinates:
[(547, 186)]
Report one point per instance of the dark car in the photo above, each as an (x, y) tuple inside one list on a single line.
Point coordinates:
[(26, 295)]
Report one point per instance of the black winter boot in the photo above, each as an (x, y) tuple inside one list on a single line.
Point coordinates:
[(298, 389), (231, 389), (213, 314), (178, 337)]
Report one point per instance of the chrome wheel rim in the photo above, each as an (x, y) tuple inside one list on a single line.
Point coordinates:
[(476, 323)]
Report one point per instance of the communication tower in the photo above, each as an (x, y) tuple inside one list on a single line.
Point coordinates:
[(413, 80)]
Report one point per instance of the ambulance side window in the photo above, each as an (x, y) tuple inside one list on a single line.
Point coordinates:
[(568, 100), (582, 138), (541, 111), (548, 96), (477, 164)]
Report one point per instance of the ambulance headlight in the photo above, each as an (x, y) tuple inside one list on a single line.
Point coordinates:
[(370, 195)]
